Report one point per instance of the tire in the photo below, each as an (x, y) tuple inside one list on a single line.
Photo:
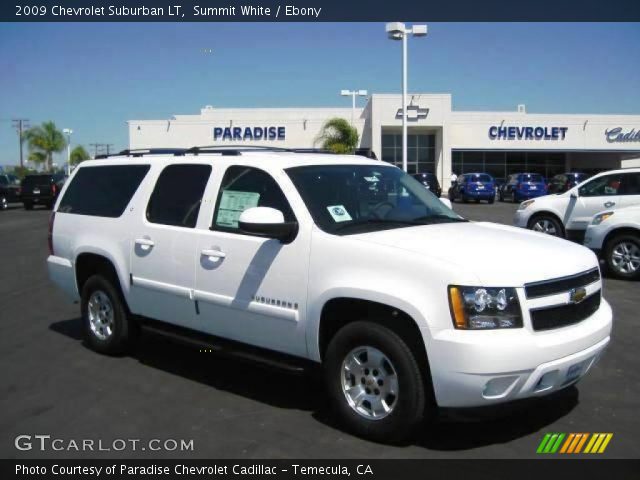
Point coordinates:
[(464, 198), (3, 203), (363, 339), (622, 254), (546, 224), (500, 196), (28, 205), (491, 200), (109, 330)]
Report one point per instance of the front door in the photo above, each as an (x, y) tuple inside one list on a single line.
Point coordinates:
[(601, 193), (250, 288), (163, 250)]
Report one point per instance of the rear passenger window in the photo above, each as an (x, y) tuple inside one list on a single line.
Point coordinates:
[(247, 187), (103, 191), (177, 195)]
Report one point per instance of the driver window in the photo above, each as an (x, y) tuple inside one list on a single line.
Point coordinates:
[(607, 185), (177, 195), (243, 188)]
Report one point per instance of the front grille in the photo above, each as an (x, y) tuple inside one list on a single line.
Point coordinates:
[(561, 285), (563, 315)]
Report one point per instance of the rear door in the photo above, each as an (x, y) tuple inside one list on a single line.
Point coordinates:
[(163, 246)]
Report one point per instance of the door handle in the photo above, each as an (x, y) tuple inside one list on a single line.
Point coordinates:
[(145, 242), (609, 204), (213, 253)]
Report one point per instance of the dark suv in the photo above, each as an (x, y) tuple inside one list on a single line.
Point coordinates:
[(430, 181), (42, 189), (565, 181), (9, 190)]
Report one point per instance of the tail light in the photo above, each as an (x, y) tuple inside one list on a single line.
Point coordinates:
[(50, 233), (19, 190), (53, 189), (518, 186)]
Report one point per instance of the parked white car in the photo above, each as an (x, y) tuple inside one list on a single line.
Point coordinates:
[(569, 214), (327, 260), (615, 236)]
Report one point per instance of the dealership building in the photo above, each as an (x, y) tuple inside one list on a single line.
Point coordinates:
[(440, 140)]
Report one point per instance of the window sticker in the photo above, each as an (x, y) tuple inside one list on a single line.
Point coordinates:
[(339, 213), (232, 204)]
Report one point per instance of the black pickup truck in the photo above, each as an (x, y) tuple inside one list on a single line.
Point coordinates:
[(42, 189), (9, 190)]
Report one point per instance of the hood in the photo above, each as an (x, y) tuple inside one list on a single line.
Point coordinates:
[(498, 255)]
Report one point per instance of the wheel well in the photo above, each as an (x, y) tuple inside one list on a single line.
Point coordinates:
[(338, 312), (88, 264), (537, 215), (619, 231)]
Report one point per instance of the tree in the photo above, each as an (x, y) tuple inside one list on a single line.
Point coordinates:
[(338, 136), (37, 157), (45, 139), (79, 154)]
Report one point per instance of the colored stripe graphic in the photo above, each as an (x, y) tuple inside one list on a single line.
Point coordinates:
[(573, 443)]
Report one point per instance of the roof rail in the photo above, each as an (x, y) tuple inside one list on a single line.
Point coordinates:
[(234, 149), (139, 152)]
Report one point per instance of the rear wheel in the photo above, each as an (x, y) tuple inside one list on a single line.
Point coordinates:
[(491, 200), (622, 254), (28, 205), (546, 224), (375, 384), (107, 324)]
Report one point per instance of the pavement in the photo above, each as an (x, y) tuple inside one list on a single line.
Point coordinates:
[(53, 385)]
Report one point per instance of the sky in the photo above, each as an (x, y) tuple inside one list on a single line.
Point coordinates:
[(93, 77)]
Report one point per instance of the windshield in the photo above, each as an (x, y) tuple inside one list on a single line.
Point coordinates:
[(37, 180), (346, 199)]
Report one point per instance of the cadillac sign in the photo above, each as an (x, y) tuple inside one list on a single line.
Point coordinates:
[(616, 135)]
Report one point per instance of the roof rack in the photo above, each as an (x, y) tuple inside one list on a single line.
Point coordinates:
[(232, 150), (139, 152)]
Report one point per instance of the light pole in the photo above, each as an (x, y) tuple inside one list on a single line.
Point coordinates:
[(68, 132), (353, 94), (399, 31)]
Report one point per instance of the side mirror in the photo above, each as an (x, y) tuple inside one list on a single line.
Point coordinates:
[(267, 222), (573, 194), (447, 202)]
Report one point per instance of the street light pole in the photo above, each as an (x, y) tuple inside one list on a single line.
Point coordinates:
[(68, 132), (353, 94), (399, 31)]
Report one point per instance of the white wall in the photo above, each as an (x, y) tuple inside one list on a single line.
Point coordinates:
[(632, 162)]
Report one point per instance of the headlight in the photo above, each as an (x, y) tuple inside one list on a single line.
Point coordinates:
[(525, 204), (598, 219), (480, 308)]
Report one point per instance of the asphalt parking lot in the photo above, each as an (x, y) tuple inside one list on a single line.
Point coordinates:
[(54, 385)]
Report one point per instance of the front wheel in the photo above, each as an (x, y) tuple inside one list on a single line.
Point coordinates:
[(546, 224), (374, 382), (622, 254)]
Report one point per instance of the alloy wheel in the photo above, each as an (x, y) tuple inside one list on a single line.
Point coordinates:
[(545, 226), (369, 382), (101, 315), (625, 257)]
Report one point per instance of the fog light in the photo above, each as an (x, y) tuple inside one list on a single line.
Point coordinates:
[(499, 387), (547, 381)]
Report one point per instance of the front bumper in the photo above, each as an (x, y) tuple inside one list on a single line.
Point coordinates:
[(521, 218), (474, 368)]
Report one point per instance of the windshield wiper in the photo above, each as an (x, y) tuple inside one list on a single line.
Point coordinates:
[(427, 219)]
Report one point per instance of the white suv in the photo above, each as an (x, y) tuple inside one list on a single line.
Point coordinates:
[(332, 260), (568, 214)]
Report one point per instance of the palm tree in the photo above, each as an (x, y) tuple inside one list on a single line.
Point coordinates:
[(37, 157), (338, 136), (46, 139), (79, 154)]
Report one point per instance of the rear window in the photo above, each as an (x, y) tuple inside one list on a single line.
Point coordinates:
[(531, 177), (103, 191), (36, 180), (481, 177)]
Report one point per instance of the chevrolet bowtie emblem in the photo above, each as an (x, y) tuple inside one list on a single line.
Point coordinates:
[(576, 295)]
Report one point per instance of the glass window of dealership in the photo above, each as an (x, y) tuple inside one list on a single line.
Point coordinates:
[(501, 164)]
